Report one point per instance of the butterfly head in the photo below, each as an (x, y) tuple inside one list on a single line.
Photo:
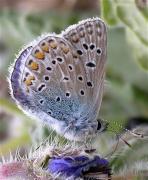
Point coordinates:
[(101, 125), (79, 131)]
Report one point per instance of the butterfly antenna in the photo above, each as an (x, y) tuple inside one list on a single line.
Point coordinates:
[(119, 137), (134, 134), (129, 145), (116, 146), (139, 135)]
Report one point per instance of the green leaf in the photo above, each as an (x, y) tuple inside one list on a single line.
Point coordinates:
[(140, 50), (108, 12), (132, 18), (142, 5), (10, 107), (14, 143)]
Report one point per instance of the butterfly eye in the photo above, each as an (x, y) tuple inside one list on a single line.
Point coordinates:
[(99, 125), (102, 125)]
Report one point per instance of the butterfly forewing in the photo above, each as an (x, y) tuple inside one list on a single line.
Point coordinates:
[(88, 40)]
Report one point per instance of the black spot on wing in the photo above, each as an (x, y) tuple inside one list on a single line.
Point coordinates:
[(90, 64)]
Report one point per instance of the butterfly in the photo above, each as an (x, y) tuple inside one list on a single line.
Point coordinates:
[(59, 79)]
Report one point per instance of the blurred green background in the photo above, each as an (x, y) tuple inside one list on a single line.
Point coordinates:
[(126, 92)]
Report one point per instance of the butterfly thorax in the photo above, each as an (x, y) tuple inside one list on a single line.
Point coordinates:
[(76, 128), (80, 127), (79, 130)]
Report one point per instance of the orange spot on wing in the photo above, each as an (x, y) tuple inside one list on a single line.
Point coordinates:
[(39, 55), (64, 48), (81, 32), (52, 43), (75, 38), (34, 66), (28, 80), (32, 77), (45, 47)]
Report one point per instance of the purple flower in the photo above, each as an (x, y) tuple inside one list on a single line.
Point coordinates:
[(77, 166)]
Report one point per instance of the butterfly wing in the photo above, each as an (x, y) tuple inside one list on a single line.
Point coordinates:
[(89, 40), (60, 78), (43, 78)]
